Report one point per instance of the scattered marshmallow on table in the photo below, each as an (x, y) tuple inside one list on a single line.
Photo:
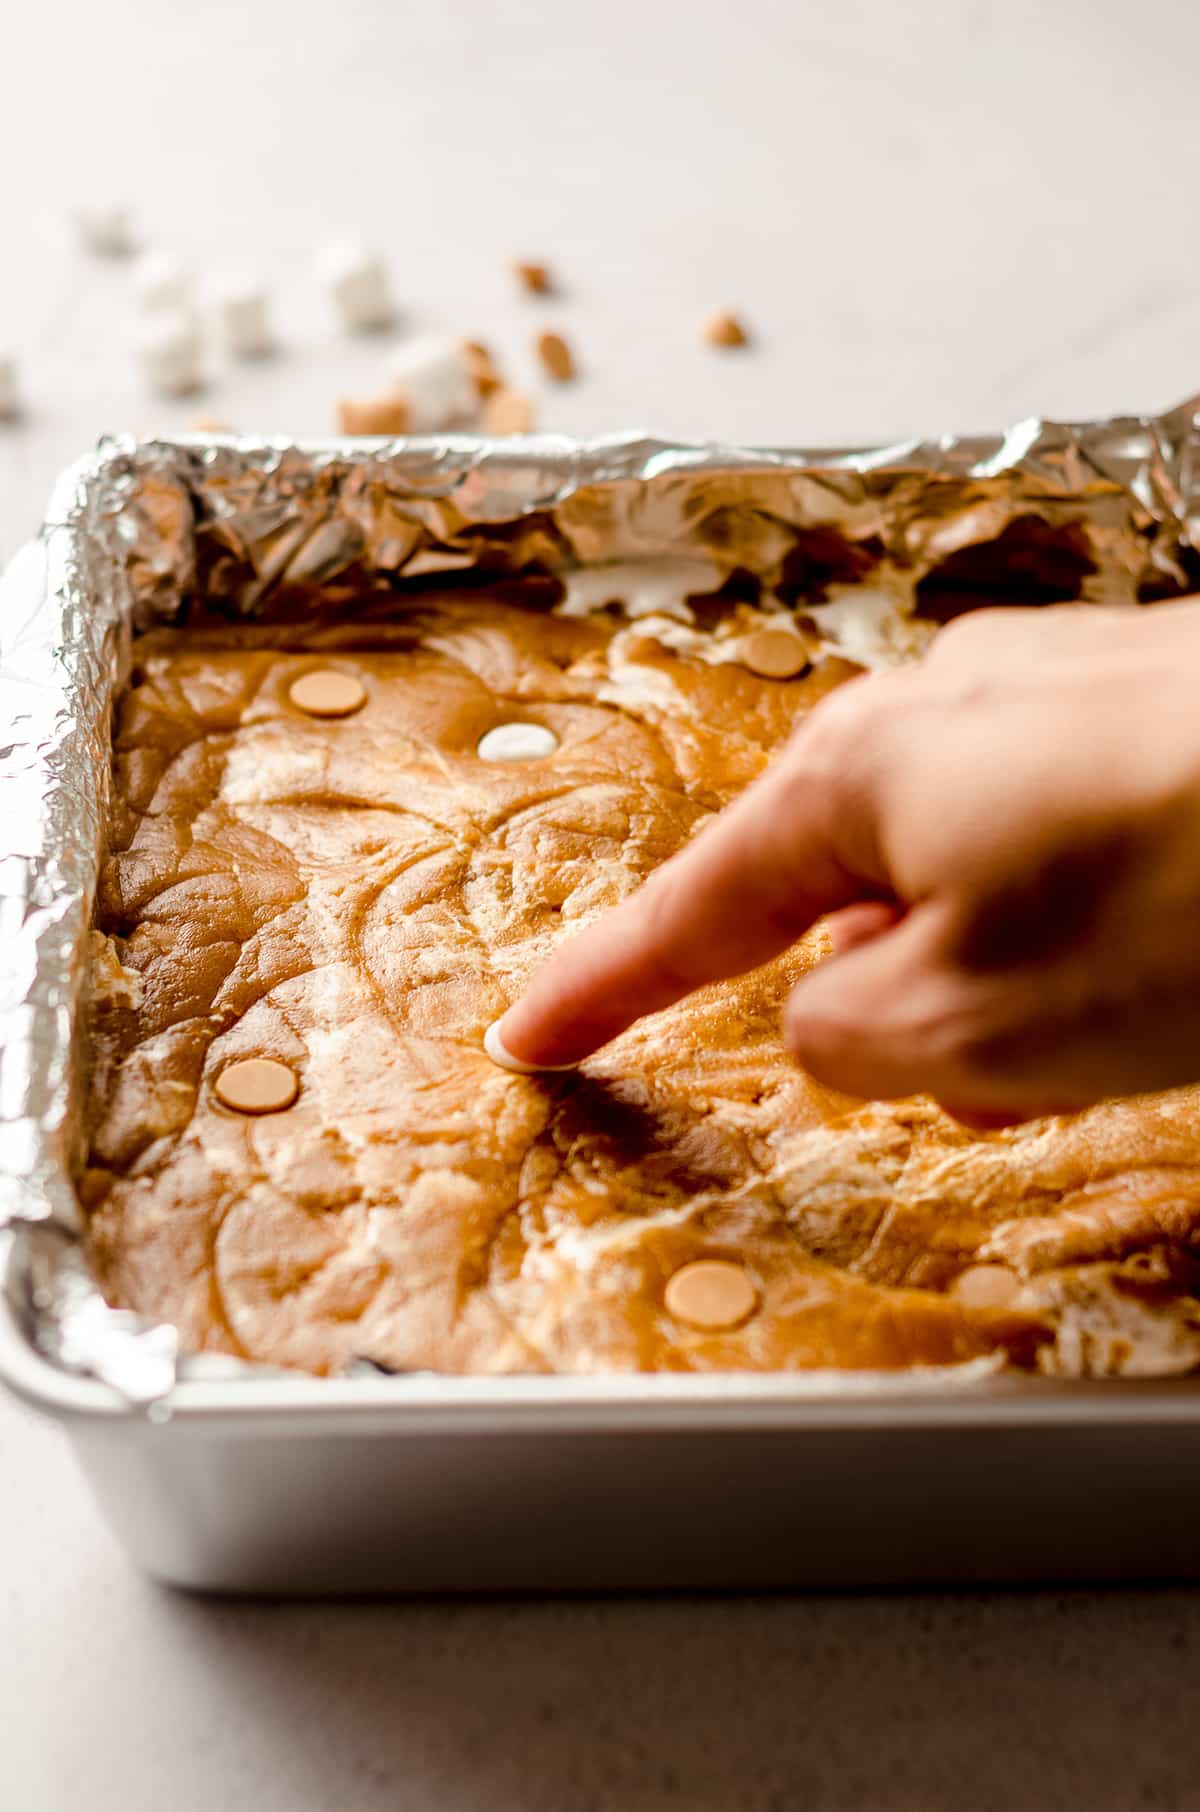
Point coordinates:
[(433, 377), (507, 412), (10, 395), (244, 317), (372, 415), (160, 281), (105, 230), (357, 281), (170, 353)]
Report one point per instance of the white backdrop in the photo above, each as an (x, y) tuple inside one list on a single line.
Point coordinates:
[(935, 214)]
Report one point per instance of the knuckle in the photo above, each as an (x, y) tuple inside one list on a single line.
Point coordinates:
[(942, 1013), (973, 627), (821, 1031), (996, 1051), (843, 757), (660, 930), (842, 736), (997, 1034), (916, 1030), (973, 636)]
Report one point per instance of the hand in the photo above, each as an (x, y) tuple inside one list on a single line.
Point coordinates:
[(1008, 838)]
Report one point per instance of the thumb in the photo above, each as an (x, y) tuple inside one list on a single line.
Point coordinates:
[(889, 1017)]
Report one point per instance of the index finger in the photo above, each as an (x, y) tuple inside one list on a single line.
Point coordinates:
[(752, 883)]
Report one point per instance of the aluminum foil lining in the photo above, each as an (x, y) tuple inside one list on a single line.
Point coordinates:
[(152, 533)]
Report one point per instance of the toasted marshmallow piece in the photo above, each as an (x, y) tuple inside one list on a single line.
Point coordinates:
[(244, 316), (357, 281), (372, 415), (506, 412), (170, 353), (161, 281), (433, 377), (104, 229)]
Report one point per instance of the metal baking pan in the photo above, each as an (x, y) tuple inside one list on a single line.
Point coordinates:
[(299, 1486), (221, 1477)]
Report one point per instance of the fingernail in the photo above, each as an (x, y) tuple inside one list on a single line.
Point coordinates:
[(500, 1054)]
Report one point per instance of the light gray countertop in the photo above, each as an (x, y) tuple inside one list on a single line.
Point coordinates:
[(933, 215)]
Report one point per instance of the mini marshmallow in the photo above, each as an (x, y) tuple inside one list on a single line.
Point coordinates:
[(372, 415), (357, 281), (244, 317), (433, 376), (169, 351), (506, 412), (105, 230), (10, 395), (161, 281)]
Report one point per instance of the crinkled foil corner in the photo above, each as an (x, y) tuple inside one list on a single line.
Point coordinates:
[(146, 533)]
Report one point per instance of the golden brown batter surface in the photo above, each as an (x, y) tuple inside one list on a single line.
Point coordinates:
[(357, 897)]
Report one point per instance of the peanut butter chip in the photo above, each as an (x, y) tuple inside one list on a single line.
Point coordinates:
[(326, 692), (774, 654), (535, 278), (723, 330), (257, 1085), (558, 361), (986, 1286), (710, 1294), (481, 367), (516, 742)]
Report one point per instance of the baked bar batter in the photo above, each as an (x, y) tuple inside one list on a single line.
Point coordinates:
[(328, 870)]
